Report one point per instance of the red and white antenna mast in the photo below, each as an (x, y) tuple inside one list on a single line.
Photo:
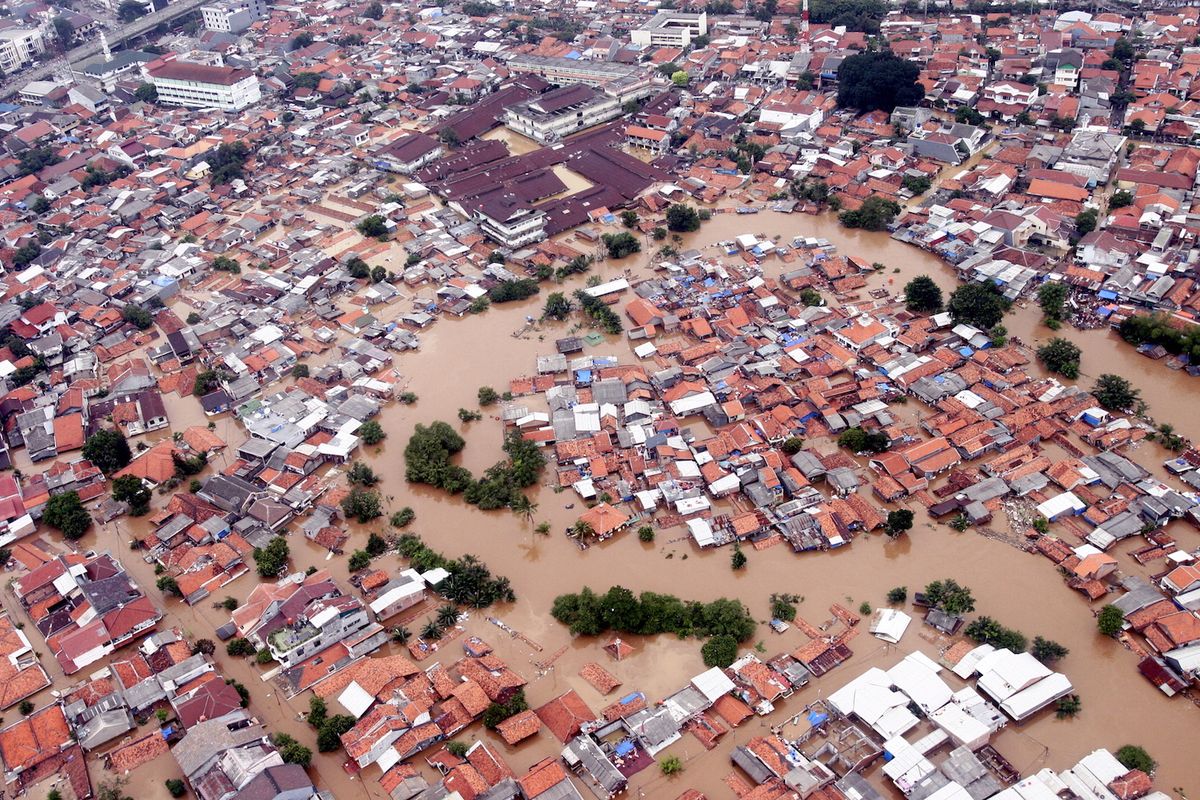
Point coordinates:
[(805, 45)]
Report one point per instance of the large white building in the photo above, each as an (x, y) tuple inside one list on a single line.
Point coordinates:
[(232, 16), (670, 28), (190, 85), (19, 46)]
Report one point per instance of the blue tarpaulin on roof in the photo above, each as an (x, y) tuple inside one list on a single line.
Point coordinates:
[(965, 352), (1105, 294), (625, 748), (817, 717), (583, 375)]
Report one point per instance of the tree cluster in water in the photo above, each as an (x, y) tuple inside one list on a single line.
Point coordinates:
[(618, 609), (427, 460), (471, 583)]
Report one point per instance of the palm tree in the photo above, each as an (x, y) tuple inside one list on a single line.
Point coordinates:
[(582, 529), (431, 631), (401, 634), (447, 615), (524, 507)]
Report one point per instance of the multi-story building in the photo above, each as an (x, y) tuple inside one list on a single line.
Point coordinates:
[(232, 16), (505, 218), (559, 113), (190, 85), (573, 70), (19, 46), (670, 28)]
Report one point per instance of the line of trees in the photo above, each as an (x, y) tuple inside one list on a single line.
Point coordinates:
[(471, 583), (589, 614)]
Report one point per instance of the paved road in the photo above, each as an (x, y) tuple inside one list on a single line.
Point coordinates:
[(92, 48)]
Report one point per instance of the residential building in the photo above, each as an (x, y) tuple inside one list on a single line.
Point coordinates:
[(232, 16), (200, 86), (19, 46)]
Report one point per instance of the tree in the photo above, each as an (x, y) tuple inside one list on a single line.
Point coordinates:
[(898, 594), (629, 218), (167, 585), (1085, 221), (378, 274), (130, 489), (239, 647), (359, 560), (175, 787), (1120, 199), (922, 295), (1110, 620), (457, 748), (66, 513), (783, 607), (374, 225), (875, 214), (362, 504), (978, 304), (302, 40), (1132, 756), (64, 31), (811, 297), (39, 205), (1061, 356), (738, 559), (147, 93), (403, 517), (878, 80), (679, 78), (361, 474), (139, 317), (329, 736), (792, 445), (1047, 650), (371, 432), (646, 534), (719, 651), (272, 559), (1052, 297), (917, 184), (317, 711), (487, 395), (1114, 392), (129, 11), (986, 630), (291, 751), (557, 306), (671, 765), (228, 162), (682, 218), (899, 522), (949, 596), (300, 371), (621, 244), (859, 441), (374, 10), (1068, 706), (1123, 50), (512, 290)]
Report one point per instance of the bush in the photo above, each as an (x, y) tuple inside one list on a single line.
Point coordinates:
[(1132, 756), (518, 289), (783, 607), (487, 396), (362, 475), (792, 445), (26, 707), (738, 559), (986, 630), (719, 651), (263, 657), (1114, 392), (671, 765), (646, 534), (359, 561), (875, 214), (329, 736), (898, 594), (175, 787), (291, 751), (457, 748), (403, 517)]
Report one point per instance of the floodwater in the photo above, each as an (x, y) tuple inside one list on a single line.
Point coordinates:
[(457, 356)]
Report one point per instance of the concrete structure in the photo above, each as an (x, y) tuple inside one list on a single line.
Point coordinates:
[(562, 112), (200, 86), (19, 46), (670, 28), (573, 70), (232, 16)]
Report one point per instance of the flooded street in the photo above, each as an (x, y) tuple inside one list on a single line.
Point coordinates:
[(457, 356)]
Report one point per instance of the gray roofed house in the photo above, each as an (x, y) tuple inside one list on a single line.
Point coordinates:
[(207, 740), (582, 751), (286, 782)]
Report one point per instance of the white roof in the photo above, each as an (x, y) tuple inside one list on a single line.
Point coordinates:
[(713, 684), (356, 699), (618, 285), (701, 531), (692, 403), (964, 729), (1060, 504), (691, 505), (890, 624), (1010, 673), (1038, 696), (965, 668), (921, 684), (645, 350)]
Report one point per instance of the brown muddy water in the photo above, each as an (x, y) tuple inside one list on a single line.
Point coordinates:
[(458, 356)]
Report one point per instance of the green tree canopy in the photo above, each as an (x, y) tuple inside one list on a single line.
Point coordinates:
[(878, 80), (66, 513), (107, 450), (922, 295), (978, 304)]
